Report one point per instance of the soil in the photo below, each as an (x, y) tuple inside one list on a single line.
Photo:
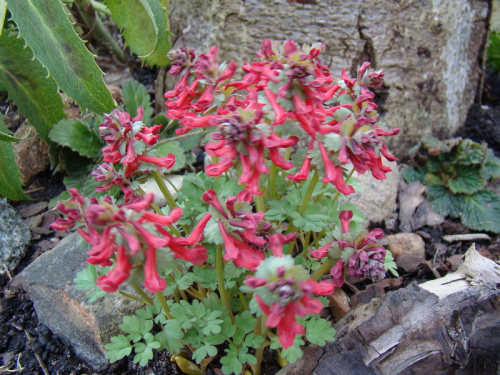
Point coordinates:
[(26, 345)]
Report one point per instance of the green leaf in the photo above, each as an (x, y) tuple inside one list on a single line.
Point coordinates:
[(119, 348), (136, 327), (172, 147), (4, 137), (135, 96), (333, 142), (10, 178), (292, 353), (491, 168), (444, 202), (26, 81), (173, 335), (467, 181), (482, 211), (319, 331), (77, 136), (145, 28), (46, 28), (410, 175), (230, 363), (144, 354)]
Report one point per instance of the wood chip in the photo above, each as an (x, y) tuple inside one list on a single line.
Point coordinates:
[(467, 237)]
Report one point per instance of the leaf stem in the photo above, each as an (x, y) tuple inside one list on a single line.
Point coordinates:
[(177, 137), (260, 203), (143, 294), (219, 266), (260, 330), (130, 296), (163, 188), (163, 303), (273, 171), (309, 192), (327, 265)]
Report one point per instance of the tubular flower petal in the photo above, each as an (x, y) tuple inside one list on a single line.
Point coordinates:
[(120, 273), (152, 282)]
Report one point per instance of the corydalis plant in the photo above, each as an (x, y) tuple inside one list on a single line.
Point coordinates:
[(238, 267)]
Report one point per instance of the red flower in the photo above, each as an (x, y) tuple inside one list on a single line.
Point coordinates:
[(123, 137), (126, 230), (121, 272), (283, 292)]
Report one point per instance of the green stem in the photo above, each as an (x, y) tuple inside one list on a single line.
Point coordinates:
[(243, 301), (163, 188), (260, 330), (346, 181), (273, 171), (327, 265), (260, 203), (219, 266), (163, 303), (143, 294), (177, 137), (100, 30), (309, 192), (130, 296)]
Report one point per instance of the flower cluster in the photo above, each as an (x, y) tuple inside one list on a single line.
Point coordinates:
[(131, 233), (249, 237), (338, 119), (276, 240), (128, 142), (283, 291)]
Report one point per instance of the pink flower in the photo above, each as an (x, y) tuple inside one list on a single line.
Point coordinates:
[(345, 218), (288, 293), (121, 272)]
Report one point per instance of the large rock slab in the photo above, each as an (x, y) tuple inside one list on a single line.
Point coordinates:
[(377, 198), (14, 237), (430, 49), (62, 308)]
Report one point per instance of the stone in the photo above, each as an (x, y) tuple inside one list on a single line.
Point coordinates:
[(430, 50), (377, 198), (33, 209), (339, 303), (32, 153), (409, 262), (408, 243), (150, 186), (87, 327), (14, 237)]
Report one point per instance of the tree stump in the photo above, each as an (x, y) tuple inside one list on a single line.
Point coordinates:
[(446, 326)]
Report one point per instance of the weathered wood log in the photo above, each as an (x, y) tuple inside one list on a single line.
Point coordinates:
[(446, 326)]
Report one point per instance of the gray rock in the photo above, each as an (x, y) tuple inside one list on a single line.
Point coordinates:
[(65, 310), (430, 50), (377, 198), (14, 237)]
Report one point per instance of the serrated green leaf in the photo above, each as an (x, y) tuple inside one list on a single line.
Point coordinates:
[(26, 81), (482, 211), (491, 168), (134, 96), (467, 181), (10, 178), (46, 28), (173, 335), (319, 331), (145, 28), (77, 136), (444, 202), (410, 175), (119, 348)]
